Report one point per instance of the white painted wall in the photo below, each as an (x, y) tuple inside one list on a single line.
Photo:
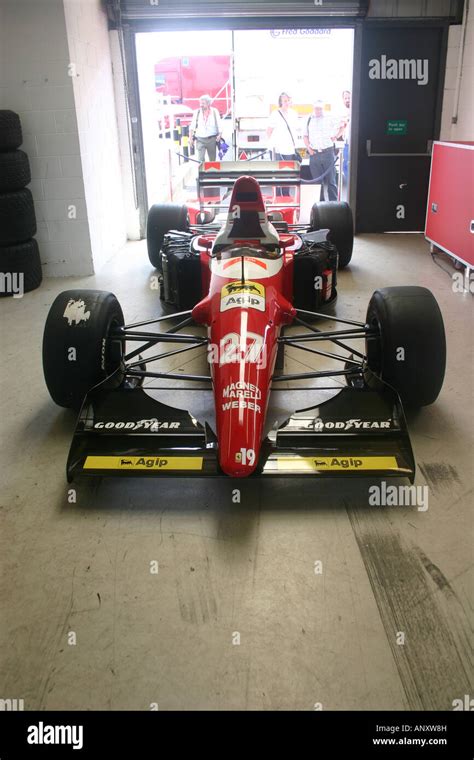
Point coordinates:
[(34, 82), (89, 51), (69, 125), (464, 129), (132, 216)]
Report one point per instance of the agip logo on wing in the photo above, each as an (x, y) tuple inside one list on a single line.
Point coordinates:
[(248, 295)]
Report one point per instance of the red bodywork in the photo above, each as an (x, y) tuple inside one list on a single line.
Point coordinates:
[(248, 302)]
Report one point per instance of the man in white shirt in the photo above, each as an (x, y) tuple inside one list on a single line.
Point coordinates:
[(319, 137), (205, 129), (282, 133)]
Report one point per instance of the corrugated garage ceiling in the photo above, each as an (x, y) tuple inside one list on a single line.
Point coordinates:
[(149, 10)]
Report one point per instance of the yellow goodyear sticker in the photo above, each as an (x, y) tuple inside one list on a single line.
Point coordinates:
[(248, 295), (143, 463), (295, 463)]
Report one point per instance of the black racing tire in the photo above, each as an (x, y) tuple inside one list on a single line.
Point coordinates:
[(22, 259), (337, 218), (14, 170), (17, 217), (81, 320), (163, 217), (407, 318), (10, 131)]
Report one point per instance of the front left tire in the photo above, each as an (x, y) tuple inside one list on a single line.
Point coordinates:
[(78, 349)]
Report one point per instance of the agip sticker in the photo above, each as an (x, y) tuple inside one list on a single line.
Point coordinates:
[(246, 295), (296, 463), (142, 463)]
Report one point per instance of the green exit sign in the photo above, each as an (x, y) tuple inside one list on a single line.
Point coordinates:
[(397, 127)]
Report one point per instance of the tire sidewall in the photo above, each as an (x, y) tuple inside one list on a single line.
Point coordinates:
[(77, 355), (410, 351)]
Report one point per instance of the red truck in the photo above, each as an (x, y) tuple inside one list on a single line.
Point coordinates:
[(185, 79)]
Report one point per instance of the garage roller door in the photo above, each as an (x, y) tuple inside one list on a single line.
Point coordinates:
[(137, 10)]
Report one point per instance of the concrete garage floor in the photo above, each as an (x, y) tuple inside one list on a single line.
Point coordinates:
[(226, 568)]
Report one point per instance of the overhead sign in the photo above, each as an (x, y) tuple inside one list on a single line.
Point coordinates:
[(299, 33)]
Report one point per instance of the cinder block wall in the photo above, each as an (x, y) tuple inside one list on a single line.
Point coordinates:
[(464, 129), (90, 56), (35, 82), (56, 72)]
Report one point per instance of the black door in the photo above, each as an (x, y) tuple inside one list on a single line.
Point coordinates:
[(402, 73)]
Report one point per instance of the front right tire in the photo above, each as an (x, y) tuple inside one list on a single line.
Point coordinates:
[(408, 350)]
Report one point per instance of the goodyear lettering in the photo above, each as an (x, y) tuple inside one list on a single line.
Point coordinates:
[(356, 424), (151, 425)]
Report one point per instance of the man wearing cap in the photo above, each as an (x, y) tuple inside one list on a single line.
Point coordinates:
[(319, 137)]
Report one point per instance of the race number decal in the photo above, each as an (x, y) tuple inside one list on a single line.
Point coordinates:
[(234, 348), (249, 295)]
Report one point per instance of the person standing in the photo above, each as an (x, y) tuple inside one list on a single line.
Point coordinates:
[(205, 129), (319, 137), (282, 129), (344, 134), (282, 133)]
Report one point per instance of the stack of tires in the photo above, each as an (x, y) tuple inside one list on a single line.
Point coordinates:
[(20, 264)]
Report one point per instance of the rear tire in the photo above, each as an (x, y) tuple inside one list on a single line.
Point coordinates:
[(409, 352), (77, 351), (163, 217), (337, 218)]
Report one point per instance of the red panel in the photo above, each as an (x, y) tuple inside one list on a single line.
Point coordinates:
[(448, 221)]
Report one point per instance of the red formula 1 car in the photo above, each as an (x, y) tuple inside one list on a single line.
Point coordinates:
[(280, 185), (250, 287)]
